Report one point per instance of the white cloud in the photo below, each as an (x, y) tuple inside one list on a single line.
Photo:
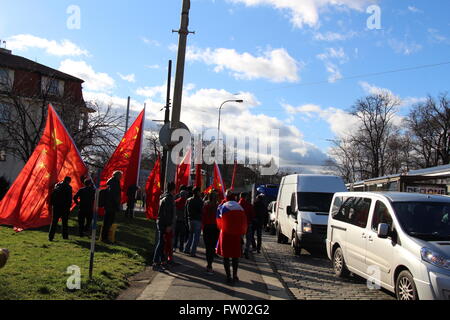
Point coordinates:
[(23, 42), (403, 102), (341, 122), (153, 66), (130, 77), (275, 65), (404, 47), (328, 57), (334, 36), (150, 42), (414, 9), (435, 36), (94, 81), (307, 12)]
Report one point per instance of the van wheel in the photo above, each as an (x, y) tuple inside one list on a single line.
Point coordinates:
[(339, 266), (405, 288), (280, 237), (295, 243)]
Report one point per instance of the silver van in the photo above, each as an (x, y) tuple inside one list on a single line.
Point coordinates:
[(401, 241)]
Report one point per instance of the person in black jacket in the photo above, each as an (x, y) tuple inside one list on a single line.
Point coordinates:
[(194, 208), (113, 203), (260, 219), (61, 201), (85, 198), (164, 223)]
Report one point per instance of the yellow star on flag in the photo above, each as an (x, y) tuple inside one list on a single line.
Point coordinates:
[(56, 141), (126, 155), (123, 140), (41, 165)]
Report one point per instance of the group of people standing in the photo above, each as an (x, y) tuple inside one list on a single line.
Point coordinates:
[(183, 216), (61, 202)]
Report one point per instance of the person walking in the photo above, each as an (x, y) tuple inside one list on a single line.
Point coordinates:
[(61, 201), (113, 203), (84, 199), (180, 223), (210, 231), (194, 208), (131, 200), (232, 223), (164, 223), (260, 220), (244, 201)]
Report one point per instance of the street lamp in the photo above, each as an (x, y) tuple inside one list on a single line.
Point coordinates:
[(220, 110)]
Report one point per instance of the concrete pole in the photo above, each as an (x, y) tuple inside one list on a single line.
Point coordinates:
[(128, 114), (166, 120), (179, 79)]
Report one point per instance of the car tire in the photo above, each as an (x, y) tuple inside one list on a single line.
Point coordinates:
[(339, 265), (280, 237), (405, 288), (295, 243)]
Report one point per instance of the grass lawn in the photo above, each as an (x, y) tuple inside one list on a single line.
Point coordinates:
[(37, 268)]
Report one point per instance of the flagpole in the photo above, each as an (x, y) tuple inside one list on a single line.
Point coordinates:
[(94, 233), (140, 147)]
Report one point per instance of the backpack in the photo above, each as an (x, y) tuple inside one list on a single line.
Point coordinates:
[(103, 197)]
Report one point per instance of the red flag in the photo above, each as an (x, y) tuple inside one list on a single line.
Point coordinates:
[(126, 158), (26, 205), (198, 176), (153, 191), (183, 171), (234, 175), (218, 184)]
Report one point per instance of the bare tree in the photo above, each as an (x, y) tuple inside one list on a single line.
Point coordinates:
[(429, 125)]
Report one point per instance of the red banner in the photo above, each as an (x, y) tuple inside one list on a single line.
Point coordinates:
[(153, 191), (26, 205)]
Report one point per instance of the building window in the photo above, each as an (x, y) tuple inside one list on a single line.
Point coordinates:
[(53, 87), (4, 77)]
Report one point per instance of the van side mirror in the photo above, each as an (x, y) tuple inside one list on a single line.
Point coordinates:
[(383, 230), (288, 210)]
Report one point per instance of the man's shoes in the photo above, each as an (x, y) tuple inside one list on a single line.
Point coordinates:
[(246, 255), (158, 268), (235, 279), (229, 280), (259, 251), (209, 271), (193, 255)]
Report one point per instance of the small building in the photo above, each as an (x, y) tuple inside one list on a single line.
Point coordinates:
[(29, 86), (434, 180)]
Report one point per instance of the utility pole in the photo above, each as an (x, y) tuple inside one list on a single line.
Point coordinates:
[(166, 120), (128, 114), (179, 78)]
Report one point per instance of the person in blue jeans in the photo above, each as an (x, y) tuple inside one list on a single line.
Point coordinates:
[(164, 223), (194, 208)]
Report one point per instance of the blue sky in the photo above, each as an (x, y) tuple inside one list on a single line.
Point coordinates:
[(270, 51)]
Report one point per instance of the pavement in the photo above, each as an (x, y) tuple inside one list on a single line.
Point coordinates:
[(188, 280)]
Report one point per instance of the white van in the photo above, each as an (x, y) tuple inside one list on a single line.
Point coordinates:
[(303, 204), (399, 241)]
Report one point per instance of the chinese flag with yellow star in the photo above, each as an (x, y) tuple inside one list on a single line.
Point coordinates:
[(153, 191), (126, 158), (183, 172), (26, 205), (218, 184)]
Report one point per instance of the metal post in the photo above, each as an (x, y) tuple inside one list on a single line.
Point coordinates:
[(94, 233), (166, 120), (128, 114), (179, 78)]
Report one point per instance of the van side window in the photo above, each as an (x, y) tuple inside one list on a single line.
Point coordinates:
[(380, 215), (342, 213), (336, 206), (359, 212)]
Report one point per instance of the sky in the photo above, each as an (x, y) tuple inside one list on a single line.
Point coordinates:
[(299, 65)]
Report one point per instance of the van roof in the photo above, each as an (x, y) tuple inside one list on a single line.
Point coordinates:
[(400, 196), (316, 183)]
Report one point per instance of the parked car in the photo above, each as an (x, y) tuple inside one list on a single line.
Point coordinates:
[(400, 241), (302, 209), (272, 217)]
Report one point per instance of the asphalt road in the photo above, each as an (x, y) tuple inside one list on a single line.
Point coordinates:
[(311, 277)]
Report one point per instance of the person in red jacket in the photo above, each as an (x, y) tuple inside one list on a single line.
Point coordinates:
[(244, 201), (210, 231), (232, 223)]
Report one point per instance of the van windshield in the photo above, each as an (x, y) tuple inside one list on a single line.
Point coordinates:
[(428, 221), (314, 201)]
